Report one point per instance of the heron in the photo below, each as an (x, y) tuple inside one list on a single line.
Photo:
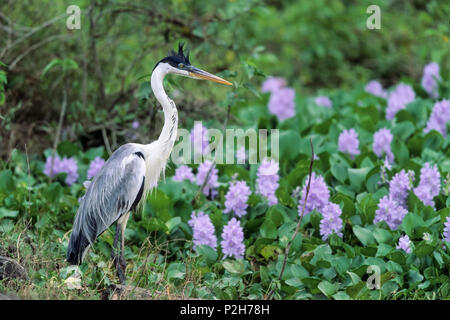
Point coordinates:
[(131, 172)]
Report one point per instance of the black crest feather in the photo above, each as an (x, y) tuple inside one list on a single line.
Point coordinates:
[(175, 58)]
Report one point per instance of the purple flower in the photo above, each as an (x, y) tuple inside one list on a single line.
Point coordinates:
[(439, 117), (318, 196), (430, 79), (199, 138), (267, 180), (281, 103), (203, 230), (390, 212), (398, 99), (374, 87), (95, 167), (135, 124), (233, 240), (236, 198), (382, 144), (66, 165), (183, 173), (447, 229), (430, 184), (399, 185), (404, 244), (273, 84), (331, 221), (212, 182), (348, 142), (323, 101)]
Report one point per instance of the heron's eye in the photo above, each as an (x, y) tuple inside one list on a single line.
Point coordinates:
[(181, 65)]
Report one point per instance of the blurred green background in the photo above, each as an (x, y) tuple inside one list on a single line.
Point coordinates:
[(100, 73)]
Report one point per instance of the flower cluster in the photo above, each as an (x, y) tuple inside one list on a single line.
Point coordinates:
[(184, 172), (348, 142), (95, 167), (199, 138), (267, 180), (212, 182), (374, 87), (281, 101), (447, 229), (55, 165), (439, 117), (236, 198), (382, 144), (430, 184), (430, 79), (233, 240), (203, 229), (318, 196), (331, 221), (404, 244), (398, 99), (323, 101), (273, 84), (399, 186), (390, 212)]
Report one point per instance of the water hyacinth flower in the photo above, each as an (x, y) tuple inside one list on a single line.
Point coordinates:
[(439, 118), (233, 240), (236, 198), (273, 84), (398, 99), (382, 144), (331, 221), (281, 103), (212, 182), (135, 124), (374, 87), (390, 212), (199, 138), (447, 229), (55, 165), (348, 142), (94, 167), (184, 172), (318, 196), (430, 79), (399, 185), (429, 185), (404, 244), (203, 230), (267, 180), (323, 101)]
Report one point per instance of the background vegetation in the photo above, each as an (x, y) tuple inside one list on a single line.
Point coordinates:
[(99, 76)]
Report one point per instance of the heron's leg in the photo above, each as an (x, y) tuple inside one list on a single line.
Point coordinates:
[(115, 254), (123, 226)]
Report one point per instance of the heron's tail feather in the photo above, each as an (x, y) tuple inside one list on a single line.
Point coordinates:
[(78, 244)]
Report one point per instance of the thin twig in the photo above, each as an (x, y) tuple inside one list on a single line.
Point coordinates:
[(58, 131), (297, 229)]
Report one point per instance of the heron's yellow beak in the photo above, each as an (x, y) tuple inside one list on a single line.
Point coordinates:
[(201, 74)]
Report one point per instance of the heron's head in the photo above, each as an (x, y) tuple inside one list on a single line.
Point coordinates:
[(178, 63)]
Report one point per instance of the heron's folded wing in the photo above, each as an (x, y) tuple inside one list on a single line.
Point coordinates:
[(113, 192)]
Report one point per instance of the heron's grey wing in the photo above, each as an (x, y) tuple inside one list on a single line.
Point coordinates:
[(114, 191)]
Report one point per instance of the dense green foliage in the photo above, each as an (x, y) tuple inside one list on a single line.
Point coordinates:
[(95, 75)]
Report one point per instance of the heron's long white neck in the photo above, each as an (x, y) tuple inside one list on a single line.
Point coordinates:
[(169, 132)]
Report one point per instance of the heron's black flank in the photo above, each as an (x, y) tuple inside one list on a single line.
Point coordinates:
[(139, 195), (140, 155)]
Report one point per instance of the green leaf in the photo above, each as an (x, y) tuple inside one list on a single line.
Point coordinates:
[(5, 213), (6, 182), (207, 252), (234, 266), (172, 224), (382, 235), (268, 229), (176, 270), (357, 177), (327, 288), (67, 149), (364, 235)]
